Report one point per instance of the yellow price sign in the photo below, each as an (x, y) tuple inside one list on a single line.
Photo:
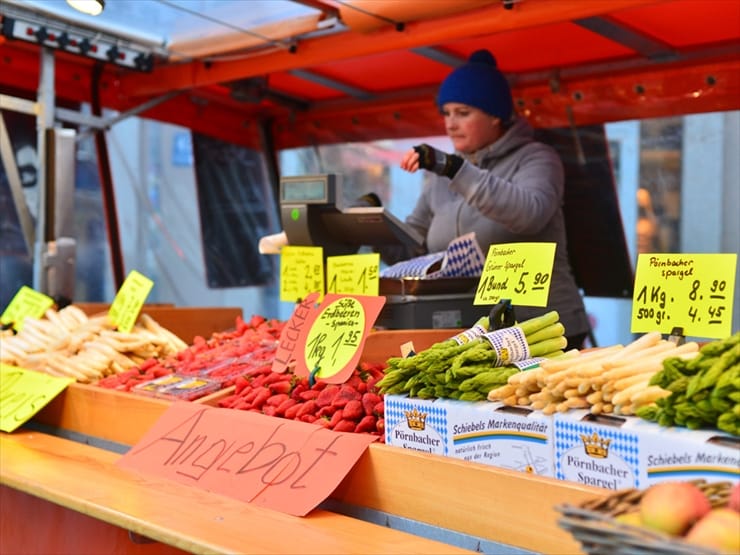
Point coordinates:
[(26, 303), (331, 341), (694, 292), (301, 272), (124, 311), (354, 274), (521, 272), (24, 393)]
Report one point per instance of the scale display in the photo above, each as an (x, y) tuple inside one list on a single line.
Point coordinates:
[(320, 189), (311, 217)]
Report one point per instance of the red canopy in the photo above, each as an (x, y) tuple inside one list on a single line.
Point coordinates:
[(374, 74)]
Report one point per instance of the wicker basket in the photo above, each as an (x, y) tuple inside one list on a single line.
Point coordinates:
[(592, 523)]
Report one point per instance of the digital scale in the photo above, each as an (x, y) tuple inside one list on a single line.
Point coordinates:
[(313, 214)]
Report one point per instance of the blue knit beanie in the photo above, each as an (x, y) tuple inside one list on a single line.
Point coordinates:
[(478, 83)]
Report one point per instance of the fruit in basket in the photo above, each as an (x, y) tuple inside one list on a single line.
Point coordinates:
[(632, 518), (673, 507), (718, 529), (733, 501)]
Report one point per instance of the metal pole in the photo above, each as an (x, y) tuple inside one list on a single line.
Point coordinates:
[(44, 121)]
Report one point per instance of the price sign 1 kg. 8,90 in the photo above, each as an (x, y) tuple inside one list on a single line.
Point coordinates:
[(691, 291), (521, 272)]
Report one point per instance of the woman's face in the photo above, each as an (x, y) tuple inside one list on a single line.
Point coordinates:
[(469, 128)]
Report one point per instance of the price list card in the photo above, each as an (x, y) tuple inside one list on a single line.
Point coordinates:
[(690, 291), (301, 272), (354, 274)]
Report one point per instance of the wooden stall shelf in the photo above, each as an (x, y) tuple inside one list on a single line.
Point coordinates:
[(380, 345), (184, 322), (107, 414)]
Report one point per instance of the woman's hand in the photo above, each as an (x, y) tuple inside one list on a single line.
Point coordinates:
[(429, 158), (410, 161)]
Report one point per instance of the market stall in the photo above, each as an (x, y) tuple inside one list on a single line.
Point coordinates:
[(473, 455)]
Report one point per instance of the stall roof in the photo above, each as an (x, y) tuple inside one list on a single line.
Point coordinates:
[(306, 72)]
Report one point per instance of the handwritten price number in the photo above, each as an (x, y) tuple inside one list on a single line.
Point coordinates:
[(716, 293), (538, 283), (311, 277), (362, 281), (658, 297), (19, 405), (317, 347)]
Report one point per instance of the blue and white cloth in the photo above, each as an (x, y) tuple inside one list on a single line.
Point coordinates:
[(463, 258)]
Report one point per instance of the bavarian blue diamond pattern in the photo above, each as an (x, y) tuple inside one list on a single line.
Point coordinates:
[(624, 444), (395, 414), (415, 267), (463, 258)]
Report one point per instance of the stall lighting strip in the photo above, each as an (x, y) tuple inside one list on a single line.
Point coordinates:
[(75, 42)]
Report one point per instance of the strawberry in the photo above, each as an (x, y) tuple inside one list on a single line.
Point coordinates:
[(336, 418), (353, 410), (262, 396), (327, 395), (281, 387), (346, 394), (309, 407), (344, 425), (368, 424), (275, 400), (285, 405), (309, 395), (328, 410), (292, 412), (369, 400)]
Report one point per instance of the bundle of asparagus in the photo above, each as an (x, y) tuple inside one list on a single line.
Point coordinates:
[(614, 379), (468, 366)]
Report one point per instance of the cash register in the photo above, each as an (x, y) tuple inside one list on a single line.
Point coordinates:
[(314, 213)]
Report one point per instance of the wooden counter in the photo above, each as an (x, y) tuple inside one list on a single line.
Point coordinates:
[(86, 479), (475, 499)]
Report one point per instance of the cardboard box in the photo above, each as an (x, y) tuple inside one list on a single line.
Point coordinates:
[(676, 453), (597, 450), (489, 433), (516, 438)]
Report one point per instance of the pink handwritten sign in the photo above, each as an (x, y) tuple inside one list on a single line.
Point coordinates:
[(280, 464)]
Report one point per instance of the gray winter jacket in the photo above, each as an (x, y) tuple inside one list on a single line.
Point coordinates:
[(508, 192)]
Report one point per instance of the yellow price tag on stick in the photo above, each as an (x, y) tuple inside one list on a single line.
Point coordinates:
[(521, 272), (128, 302), (694, 292), (24, 393), (332, 339), (27, 303), (301, 272), (353, 274)]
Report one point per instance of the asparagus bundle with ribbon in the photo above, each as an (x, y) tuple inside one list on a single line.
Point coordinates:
[(469, 370)]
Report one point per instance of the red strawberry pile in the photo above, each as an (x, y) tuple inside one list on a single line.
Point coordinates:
[(354, 406), (222, 357)]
